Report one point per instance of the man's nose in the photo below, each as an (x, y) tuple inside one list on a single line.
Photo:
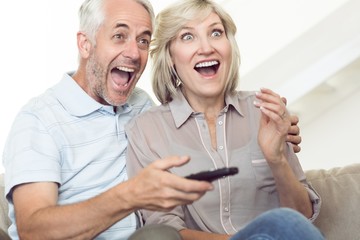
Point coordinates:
[(131, 50)]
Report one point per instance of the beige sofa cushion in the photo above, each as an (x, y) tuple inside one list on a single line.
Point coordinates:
[(4, 220), (339, 189)]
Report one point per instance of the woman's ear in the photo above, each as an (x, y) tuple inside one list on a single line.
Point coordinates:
[(84, 45)]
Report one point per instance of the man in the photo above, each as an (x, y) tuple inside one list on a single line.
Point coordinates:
[(64, 159), (65, 155)]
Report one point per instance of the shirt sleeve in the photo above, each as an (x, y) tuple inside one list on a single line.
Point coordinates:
[(299, 173), (30, 153), (315, 200)]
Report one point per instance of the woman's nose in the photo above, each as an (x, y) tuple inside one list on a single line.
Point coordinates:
[(205, 46)]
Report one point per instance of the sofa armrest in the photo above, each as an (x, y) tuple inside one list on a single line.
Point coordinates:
[(339, 189)]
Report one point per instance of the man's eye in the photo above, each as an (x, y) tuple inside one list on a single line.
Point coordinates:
[(144, 43), (186, 36), (119, 36)]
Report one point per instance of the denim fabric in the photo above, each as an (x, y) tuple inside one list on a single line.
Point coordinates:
[(279, 224)]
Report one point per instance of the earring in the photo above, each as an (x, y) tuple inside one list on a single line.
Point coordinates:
[(178, 82), (175, 75)]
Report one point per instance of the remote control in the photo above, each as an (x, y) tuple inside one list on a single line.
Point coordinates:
[(213, 174)]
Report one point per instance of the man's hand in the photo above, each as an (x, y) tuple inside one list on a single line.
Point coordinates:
[(154, 188), (294, 131)]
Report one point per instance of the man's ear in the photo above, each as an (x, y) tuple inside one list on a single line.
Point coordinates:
[(84, 45)]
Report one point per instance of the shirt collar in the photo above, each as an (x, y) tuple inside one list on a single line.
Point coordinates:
[(75, 100), (234, 100), (181, 109)]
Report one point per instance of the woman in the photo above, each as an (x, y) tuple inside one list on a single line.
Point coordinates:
[(195, 76)]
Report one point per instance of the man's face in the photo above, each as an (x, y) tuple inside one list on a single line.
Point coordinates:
[(120, 54)]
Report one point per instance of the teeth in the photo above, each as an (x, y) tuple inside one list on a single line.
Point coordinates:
[(206, 64), (125, 69)]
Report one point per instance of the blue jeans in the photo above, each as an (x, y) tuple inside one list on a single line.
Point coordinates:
[(279, 224)]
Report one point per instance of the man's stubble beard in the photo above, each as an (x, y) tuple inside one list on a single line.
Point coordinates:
[(96, 77)]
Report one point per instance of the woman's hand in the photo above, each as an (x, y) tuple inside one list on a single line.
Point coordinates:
[(274, 125)]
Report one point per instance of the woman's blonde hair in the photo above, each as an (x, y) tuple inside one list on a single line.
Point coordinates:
[(167, 25)]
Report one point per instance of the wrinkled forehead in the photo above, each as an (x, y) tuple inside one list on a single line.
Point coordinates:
[(132, 14)]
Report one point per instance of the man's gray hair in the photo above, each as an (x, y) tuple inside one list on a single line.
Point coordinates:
[(91, 16)]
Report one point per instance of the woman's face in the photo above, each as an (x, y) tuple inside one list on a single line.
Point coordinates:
[(201, 54)]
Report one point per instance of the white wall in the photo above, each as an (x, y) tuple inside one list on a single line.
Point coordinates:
[(332, 138), (37, 44)]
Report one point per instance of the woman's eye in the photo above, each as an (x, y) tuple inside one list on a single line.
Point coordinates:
[(186, 36), (217, 33)]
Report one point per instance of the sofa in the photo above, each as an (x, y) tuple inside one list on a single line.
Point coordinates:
[(339, 188), (4, 220)]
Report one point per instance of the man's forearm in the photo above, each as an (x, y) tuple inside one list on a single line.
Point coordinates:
[(83, 220)]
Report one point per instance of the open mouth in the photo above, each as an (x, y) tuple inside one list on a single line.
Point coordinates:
[(207, 68), (121, 76)]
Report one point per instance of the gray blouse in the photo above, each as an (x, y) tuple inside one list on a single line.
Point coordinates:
[(175, 129)]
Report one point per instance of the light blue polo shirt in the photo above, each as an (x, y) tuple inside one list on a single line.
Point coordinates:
[(65, 136)]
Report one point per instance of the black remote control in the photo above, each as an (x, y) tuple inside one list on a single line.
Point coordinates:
[(213, 174)]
